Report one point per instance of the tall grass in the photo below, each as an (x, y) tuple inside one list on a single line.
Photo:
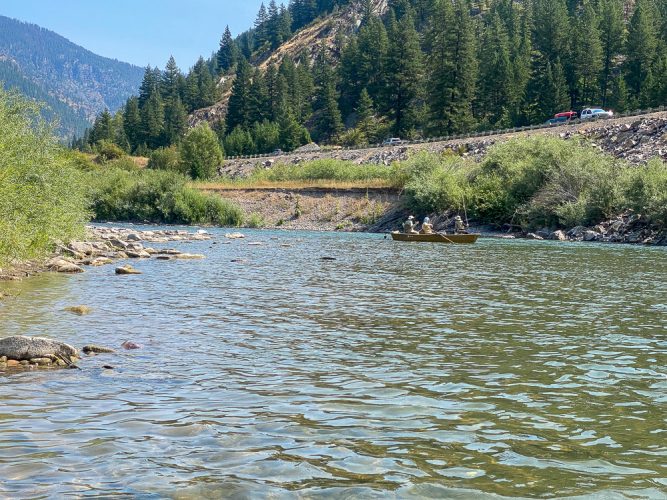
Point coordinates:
[(42, 195), (158, 197), (326, 169)]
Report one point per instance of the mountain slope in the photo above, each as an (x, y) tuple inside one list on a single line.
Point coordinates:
[(50, 68)]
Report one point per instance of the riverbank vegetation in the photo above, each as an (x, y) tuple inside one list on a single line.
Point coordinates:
[(533, 182), (42, 193)]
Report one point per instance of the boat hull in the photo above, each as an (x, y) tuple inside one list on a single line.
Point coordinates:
[(435, 238)]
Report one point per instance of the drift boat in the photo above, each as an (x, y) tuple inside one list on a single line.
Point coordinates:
[(435, 237)]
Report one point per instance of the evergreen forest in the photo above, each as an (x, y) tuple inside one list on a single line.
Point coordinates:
[(424, 68)]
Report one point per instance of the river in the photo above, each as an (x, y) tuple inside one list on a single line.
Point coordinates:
[(512, 368)]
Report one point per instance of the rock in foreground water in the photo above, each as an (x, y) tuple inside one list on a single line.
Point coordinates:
[(26, 348)]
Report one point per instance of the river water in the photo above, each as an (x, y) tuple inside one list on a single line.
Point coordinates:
[(511, 368)]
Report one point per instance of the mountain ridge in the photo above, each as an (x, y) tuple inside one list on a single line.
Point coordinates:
[(64, 73)]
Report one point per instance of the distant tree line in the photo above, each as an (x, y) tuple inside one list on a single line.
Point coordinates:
[(427, 68)]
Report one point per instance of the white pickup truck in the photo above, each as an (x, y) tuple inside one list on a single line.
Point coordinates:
[(595, 113)]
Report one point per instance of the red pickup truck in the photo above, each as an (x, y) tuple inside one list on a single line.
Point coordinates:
[(570, 115)]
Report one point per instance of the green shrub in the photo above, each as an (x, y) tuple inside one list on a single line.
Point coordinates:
[(434, 183), (159, 197), (255, 220), (42, 196), (200, 151), (123, 163), (645, 189), (166, 159), (107, 151)]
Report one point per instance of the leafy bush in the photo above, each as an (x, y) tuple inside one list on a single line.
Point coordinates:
[(166, 159), (159, 197), (645, 190), (107, 151), (255, 220), (201, 154), (42, 197)]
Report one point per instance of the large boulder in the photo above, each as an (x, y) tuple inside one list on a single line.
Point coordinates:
[(26, 348)]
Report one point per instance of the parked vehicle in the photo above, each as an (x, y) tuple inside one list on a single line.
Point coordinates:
[(557, 121), (392, 141), (596, 113), (568, 115)]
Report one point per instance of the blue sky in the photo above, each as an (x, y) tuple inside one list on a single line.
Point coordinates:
[(139, 31)]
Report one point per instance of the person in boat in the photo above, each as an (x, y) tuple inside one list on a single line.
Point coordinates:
[(427, 227), (409, 226), (459, 226)]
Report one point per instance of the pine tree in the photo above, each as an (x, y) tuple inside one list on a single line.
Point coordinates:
[(588, 57), (237, 112), (552, 29), (175, 120), (258, 99), (329, 121), (403, 73), (261, 27), (611, 32), (453, 68), (132, 122), (149, 85), (172, 84), (496, 79), (285, 24), (152, 121), (641, 49), (366, 121), (227, 54), (273, 32), (350, 81), (373, 45), (103, 129), (201, 90)]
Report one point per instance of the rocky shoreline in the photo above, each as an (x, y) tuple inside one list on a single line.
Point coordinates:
[(107, 245)]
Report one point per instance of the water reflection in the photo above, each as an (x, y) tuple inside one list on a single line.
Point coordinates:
[(511, 368)]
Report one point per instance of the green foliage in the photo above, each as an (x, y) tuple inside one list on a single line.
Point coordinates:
[(337, 170), (166, 159), (646, 190), (201, 154), (108, 151), (159, 197), (42, 197), (436, 183), (255, 220)]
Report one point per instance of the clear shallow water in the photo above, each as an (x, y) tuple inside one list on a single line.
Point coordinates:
[(525, 369)]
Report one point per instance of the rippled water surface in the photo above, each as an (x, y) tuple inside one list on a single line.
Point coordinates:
[(529, 369)]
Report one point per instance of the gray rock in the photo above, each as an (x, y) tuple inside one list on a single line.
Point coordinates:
[(25, 348), (533, 236), (96, 349), (558, 236), (591, 236)]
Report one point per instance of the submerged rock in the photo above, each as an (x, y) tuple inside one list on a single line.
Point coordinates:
[(80, 310), (96, 349), (130, 345), (21, 348), (127, 269)]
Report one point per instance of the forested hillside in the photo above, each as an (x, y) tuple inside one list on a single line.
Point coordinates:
[(74, 83), (353, 72)]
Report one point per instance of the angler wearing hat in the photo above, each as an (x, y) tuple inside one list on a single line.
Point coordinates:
[(409, 226), (427, 227), (459, 226)]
